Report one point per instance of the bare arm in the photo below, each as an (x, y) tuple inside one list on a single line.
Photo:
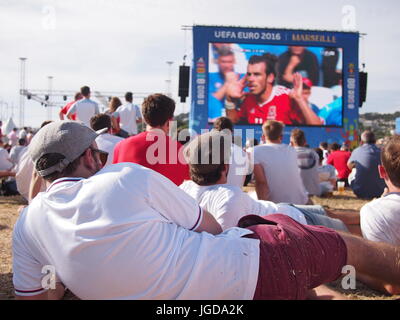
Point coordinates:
[(209, 224), (262, 187), (61, 114), (351, 165), (374, 259), (293, 63)]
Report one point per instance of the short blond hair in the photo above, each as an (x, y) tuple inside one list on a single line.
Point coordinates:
[(273, 129)]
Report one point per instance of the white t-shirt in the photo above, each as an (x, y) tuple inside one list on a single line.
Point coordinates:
[(129, 113), (85, 109), (380, 219), (308, 162), (229, 203), (5, 162), (15, 153), (239, 166), (124, 234), (279, 162), (107, 142)]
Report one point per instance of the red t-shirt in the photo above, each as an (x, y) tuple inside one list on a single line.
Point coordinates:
[(339, 160), (278, 107), (155, 151), (65, 109)]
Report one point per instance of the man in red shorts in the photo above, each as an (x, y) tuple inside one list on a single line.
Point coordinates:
[(265, 101)]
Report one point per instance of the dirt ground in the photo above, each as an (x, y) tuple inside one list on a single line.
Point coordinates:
[(9, 213)]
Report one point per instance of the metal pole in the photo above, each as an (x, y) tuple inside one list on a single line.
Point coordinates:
[(169, 94), (22, 87), (49, 102)]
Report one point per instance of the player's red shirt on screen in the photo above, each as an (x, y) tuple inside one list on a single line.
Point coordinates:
[(278, 107)]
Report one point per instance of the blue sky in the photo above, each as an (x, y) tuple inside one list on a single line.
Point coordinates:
[(124, 45)]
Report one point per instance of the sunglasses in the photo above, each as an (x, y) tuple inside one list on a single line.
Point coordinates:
[(102, 154)]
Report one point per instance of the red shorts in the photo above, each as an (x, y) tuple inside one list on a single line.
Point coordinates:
[(294, 258)]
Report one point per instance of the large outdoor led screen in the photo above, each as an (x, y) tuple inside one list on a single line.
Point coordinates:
[(298, 85)]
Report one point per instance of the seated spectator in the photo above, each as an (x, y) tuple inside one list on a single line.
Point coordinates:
[(228, 203), (153, 148), (380, 219), (326, 173), (28, 182), (366, 182), (105, 141), (307, 161), (338, 158), (16, 151), (123, 232), (250, 144), (324, 147), (5, 162), (240, 165), (275, 168)]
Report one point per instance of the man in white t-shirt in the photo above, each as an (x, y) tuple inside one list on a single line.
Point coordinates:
[(127, 232), (380, 218), (130, 115), (85, 108), (240, 165), (105, 141), (227, 203), (275, 168)]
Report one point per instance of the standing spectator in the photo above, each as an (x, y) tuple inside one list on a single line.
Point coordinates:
[(338, 158), (22, 133), (13, 137), (130, 115), (29, 137), (114, 116), (239, 162), (85, 108), (365, 159), (105, 141), (153, 148), (275, 168), (307, 161), (63, 112)]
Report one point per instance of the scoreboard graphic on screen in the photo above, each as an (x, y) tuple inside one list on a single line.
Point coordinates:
[(305, 78)]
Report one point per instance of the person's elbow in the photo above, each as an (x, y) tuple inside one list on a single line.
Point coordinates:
[(209, 224)]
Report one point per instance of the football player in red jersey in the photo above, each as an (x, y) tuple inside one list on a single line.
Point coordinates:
[(265, 101)]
